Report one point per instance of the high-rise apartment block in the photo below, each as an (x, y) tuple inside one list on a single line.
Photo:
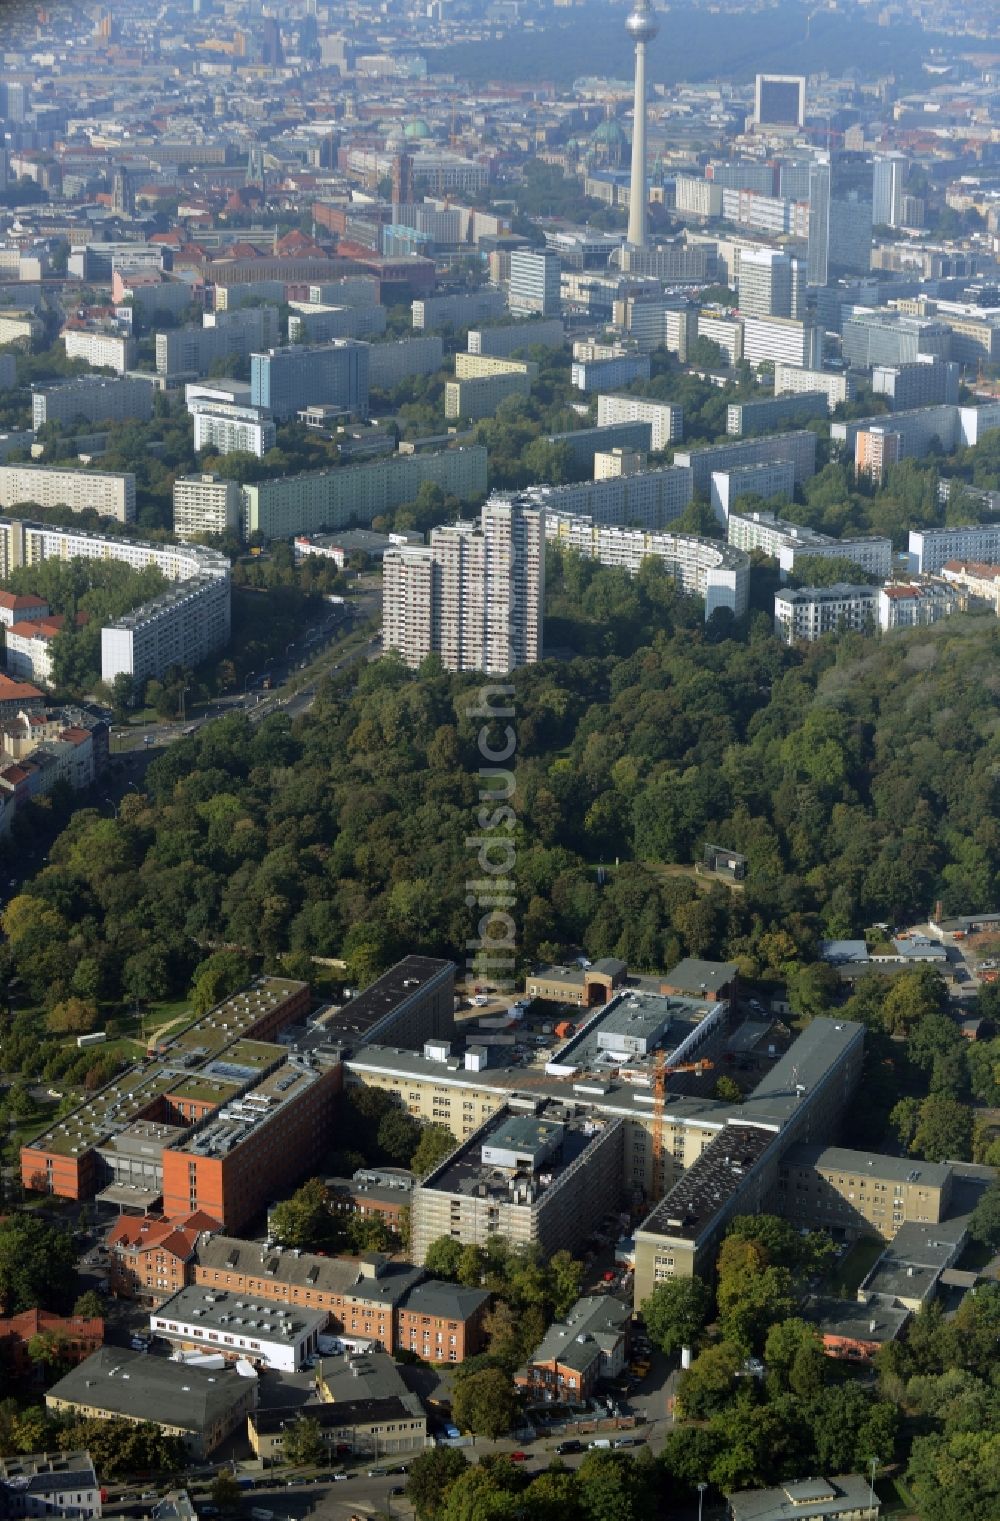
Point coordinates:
[(745, 418), (458, 309), (389, 364), (286, 380), (771, 284), (535, 282), (474, 596), (331, 499), (618, 370), (926, 383), (102, 350), (782, 340), (226, 427), (112, 495), (95, 399), (800, 448), (792, 379), (206, 504), (767, 481), (502, 341), (665, 418)]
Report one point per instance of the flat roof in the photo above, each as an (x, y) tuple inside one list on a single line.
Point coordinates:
[(406, 979), (229, 1126), (807, 1064), (700, 1193), (853, 1319), (661, 1020), (203, 1309), (464, 1172), (607, 1095)]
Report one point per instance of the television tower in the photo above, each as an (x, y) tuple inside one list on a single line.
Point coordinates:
[(642, 27)]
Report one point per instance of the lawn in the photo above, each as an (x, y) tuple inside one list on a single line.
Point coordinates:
[(848, 1272)]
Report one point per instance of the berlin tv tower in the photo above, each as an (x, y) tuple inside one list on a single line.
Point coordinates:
[(642, 27)]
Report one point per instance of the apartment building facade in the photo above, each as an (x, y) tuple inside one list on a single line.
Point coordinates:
[(94, 397), (332, 499), (206, 504), (112, 495), (475, 596), (666, 419)]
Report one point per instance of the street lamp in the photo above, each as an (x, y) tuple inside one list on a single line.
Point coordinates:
[(701, 1488), (871, 1490), (184, 692), (246, 684)]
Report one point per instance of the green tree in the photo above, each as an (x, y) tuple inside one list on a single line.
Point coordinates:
[(225, 1492), (984, 1222), (613, 1488), (89, 1305), (398, 1135), (728, 1091), (436, 1142), (443, 1257), (709, 1384), (957, 1477), (485, 1403), (37, 1265), (675, 1313), (216, 977), (431, 1475), (944, 1131), (304, 1219), (304, 1445)]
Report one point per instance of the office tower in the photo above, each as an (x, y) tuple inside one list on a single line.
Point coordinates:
[(272, 54), (474, 596), (287, 380), (255, 165), (780, 100), (818, 251), (122, 195), (850, 242), (535, 277), (14, 101), (888, 179), (402, 179), (642, 28), (770, 284)]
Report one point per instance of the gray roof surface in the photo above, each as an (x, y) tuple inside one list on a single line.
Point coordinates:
[(867, 1164), (600, 1318), (806, 1499), (370, 1376), (850, 1317), (359, 1412), (449, 1300), (135, 1384), (694, 976), (203, 1308), (229, 1254)]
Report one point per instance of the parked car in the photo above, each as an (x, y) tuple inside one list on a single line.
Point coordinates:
[(572, 1445)]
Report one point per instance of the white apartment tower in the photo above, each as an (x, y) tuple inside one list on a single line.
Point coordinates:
[(535, 282), (474, 596), (770, 284)]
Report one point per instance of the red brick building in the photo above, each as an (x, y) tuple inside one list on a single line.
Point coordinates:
[(151, 1257), (79, 1337)]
